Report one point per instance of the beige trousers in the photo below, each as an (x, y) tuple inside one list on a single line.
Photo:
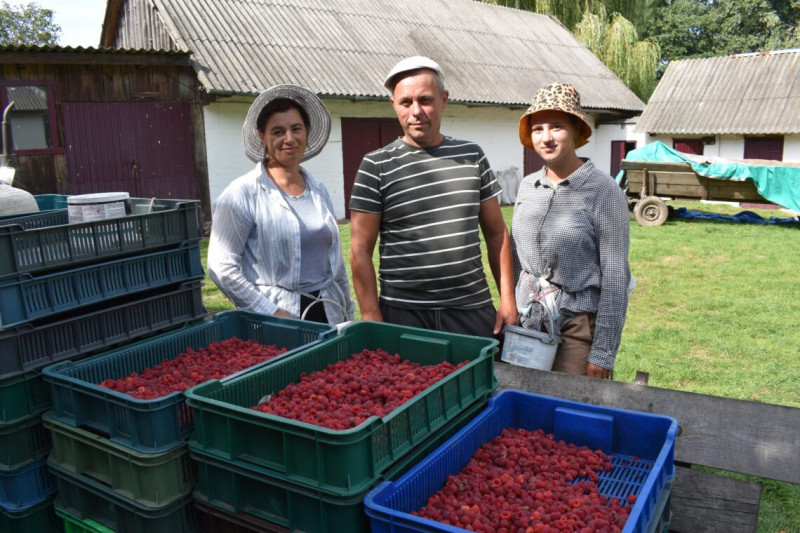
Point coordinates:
[(576, 342)]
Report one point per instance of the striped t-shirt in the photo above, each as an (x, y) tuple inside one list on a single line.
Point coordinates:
[(428, 199)]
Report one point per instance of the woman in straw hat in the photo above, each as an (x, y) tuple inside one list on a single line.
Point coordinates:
[(569, 234), (274, 244)]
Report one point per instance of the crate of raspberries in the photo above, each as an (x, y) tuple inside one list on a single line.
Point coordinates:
[(134, 395), (537, 463), (338, 414)]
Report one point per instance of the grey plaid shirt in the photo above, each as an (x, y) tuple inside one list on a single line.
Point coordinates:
[(578, 230)]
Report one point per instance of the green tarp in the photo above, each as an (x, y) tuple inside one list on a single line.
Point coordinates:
[(777, 184)]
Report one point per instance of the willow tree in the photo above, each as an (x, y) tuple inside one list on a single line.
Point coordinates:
[(617, 44)]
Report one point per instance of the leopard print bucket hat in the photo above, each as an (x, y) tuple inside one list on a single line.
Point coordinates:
[(559, 97)]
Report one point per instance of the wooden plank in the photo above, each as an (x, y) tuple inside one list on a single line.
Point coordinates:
[(735, 435), (655, 165), (703, 502)]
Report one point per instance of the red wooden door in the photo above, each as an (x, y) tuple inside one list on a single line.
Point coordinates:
[(143, 148), (359, 137), (619, 149)]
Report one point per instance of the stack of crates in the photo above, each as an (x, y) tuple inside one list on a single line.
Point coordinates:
[(270, 473), (68, 291), (122, 463)]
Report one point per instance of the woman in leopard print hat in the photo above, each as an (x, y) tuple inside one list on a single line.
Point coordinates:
[(570, 239)]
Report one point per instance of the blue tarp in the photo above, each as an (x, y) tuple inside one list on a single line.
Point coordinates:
[(777, 184), (747, 217)]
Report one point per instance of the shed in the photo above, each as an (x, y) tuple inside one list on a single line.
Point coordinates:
[(101, 120), (494, 58), (742, 106)]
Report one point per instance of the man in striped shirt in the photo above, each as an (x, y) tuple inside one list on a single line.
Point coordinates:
[(427, 196)]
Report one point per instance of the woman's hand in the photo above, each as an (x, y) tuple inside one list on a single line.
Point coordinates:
[(594, 371), (281, 312)]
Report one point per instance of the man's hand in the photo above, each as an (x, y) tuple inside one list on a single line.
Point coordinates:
[(506, 315)]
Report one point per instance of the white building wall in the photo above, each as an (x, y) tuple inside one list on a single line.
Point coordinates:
[(494, 129), (602, 137), (732, 146)]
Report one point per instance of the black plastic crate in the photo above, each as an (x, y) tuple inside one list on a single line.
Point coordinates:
[(85, 498), (36, 345), (22, 396)]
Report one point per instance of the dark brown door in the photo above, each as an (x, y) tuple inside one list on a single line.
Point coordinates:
[(688, 146), (359, 137), (143, 148), (619, 149), (531, 161), (770, 148)]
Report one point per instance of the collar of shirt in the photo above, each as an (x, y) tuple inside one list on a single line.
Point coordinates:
[(575, 180)]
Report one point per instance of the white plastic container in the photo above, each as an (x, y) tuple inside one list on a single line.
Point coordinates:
[(529, 348), (97, 206)]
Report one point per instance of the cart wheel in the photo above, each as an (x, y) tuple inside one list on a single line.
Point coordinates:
[(650, 211)]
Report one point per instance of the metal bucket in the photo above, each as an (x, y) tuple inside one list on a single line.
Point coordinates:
[(529, 348)]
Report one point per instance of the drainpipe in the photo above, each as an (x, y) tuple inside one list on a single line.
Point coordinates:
[(4, 161)]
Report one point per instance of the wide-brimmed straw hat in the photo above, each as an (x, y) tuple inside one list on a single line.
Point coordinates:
[(318, 116), (558, 97)]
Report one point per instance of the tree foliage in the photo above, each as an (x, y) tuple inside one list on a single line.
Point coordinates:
[(705, 28), (27, 24), (613, 39)]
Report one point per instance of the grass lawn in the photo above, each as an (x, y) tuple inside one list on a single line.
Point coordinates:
[(715, 311)]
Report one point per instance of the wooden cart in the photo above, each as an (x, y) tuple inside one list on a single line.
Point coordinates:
[(647, 182)]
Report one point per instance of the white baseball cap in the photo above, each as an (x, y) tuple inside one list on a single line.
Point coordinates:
[(408, 64)]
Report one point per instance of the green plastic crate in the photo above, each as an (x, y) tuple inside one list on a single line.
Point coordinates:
[(40, 518), (150, 480), (25, 297), (84, 498), (160, 424), (37, 249), (73, 524), (342, 462), (22, 396), (23, 443), (256, 492)]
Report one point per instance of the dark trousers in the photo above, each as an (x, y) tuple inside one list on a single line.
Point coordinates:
[(317, 311), (478, 322)]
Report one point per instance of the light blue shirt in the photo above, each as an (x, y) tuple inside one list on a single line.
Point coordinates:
[(254, 253)]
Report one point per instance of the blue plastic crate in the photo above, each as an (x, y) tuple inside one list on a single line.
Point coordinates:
[(25, 487), (160, 424), (40, 248), (35, 345), (24, 297), (642, 446)]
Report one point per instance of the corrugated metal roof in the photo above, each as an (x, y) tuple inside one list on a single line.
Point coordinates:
[(342, 48), (739, 94)]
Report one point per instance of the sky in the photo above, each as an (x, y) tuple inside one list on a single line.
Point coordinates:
[(81, 21)]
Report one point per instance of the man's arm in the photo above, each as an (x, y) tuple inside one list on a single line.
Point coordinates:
[(501, 262), (364, 228)]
